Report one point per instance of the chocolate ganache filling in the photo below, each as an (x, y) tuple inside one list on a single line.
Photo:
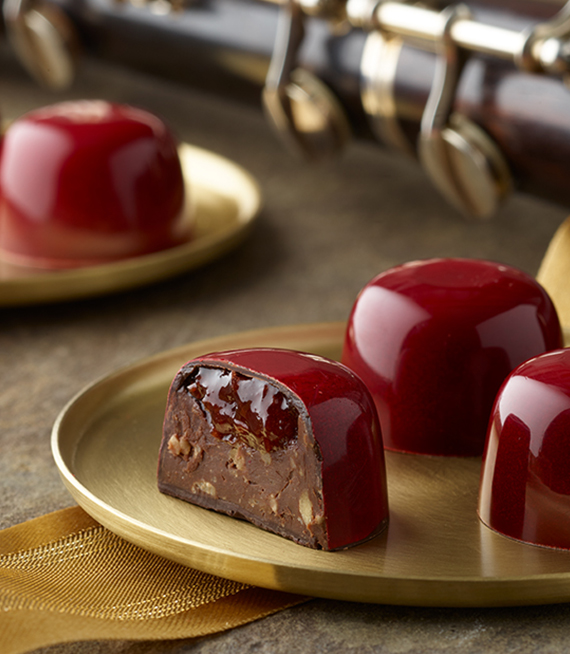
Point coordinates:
[(242, 444)]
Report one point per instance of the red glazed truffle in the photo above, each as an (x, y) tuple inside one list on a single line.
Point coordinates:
[(525, 484), (434, 340), (286, 440), (88, 182)]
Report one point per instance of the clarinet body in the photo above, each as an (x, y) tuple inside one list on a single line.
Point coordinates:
[(226, 46)]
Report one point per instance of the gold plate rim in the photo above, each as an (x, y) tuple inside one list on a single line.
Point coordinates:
[(207, 175), (434, 552)]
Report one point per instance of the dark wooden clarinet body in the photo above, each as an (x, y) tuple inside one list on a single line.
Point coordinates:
[(225, 46)]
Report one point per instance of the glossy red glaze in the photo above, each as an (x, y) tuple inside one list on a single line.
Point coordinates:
[(87, 182), (345, 426), (525, 484), (434, 340)]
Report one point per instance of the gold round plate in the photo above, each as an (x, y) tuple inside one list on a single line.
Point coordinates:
[(435, 551), (224, 200)]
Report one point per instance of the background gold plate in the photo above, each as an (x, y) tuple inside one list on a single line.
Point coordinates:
[(225, 200), (435, 551)]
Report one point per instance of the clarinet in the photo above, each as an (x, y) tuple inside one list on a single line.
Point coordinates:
[(477, 93)]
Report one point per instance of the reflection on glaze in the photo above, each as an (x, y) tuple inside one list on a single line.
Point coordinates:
[(525, 484), (434, 340), (367, 327), (33, 194)]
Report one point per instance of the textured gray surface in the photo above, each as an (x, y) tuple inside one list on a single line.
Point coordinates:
[(324, 232)]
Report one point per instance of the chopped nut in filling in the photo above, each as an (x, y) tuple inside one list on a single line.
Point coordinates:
[(244, 448)]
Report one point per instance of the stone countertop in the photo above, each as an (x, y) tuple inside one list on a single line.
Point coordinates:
[(323, 233)]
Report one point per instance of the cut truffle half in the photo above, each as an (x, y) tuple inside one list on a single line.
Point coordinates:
[(285, 440)]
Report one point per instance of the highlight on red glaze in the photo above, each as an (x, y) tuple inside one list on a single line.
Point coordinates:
[(345, 428), (434, 340), (88, 182), (525, 482)]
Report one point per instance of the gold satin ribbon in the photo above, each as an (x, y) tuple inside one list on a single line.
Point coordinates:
[(64, 577)]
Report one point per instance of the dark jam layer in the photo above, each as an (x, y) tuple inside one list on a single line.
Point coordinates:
[(244, 409)]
